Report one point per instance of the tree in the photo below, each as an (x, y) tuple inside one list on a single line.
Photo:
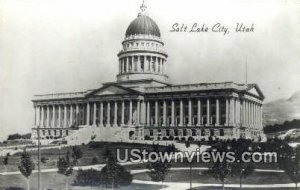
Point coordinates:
[(113, 173), (76, 154), (65, 167), (291, 166), (26, 166), (5, 161), (158, 170), (240, 168), (220, 170)]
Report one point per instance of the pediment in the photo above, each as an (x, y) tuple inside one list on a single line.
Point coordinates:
[(112, 90), (254, 90)]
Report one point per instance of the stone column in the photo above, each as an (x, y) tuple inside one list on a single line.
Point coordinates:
[(247, 114), (199, 113), (164, 113), (238, 111), (65, 116), (48, 116), (162, 66), (261, 116), (38, 118), (53, 116), (148, 113), (172, 113), (77, 114), (143, 111), (138, 64), (190, 112), (71, 115), (231, 111), (116, 114), (254, 115), (127, 65), (35, 116), (217, 112), (108, 114), (59, 116), (156, 113), (130, 113), (42, 117), (207, 111), (122, 112), (94, 113), (101, 114), (244, 113), (181, 113), (250, 114), (227, 112), (138, 112), (88, 113)]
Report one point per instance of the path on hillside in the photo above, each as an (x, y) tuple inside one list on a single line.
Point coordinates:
[(135, 171)]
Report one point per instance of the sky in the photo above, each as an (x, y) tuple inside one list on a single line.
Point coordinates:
[(50, 46)]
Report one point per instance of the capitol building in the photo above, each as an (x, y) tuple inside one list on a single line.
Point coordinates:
[(143, 105)]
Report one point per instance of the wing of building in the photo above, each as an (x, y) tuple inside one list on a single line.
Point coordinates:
[(142, 105)]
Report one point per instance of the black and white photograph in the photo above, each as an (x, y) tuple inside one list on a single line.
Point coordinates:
[(149, 94)]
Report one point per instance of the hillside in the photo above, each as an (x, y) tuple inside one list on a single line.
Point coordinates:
[(282, 110)]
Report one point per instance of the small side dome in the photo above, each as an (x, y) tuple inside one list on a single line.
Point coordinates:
[(143, 24)]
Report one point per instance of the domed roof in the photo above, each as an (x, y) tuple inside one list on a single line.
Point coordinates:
[(143, 24)]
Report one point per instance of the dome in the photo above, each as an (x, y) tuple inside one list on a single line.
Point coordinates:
[(143, 24)]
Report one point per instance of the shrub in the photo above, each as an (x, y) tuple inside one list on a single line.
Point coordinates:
[(89, 177), (95, 160), (187, 144), (44, 160)]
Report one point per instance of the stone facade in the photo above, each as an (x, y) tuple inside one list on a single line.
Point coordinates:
[(142, 99)]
